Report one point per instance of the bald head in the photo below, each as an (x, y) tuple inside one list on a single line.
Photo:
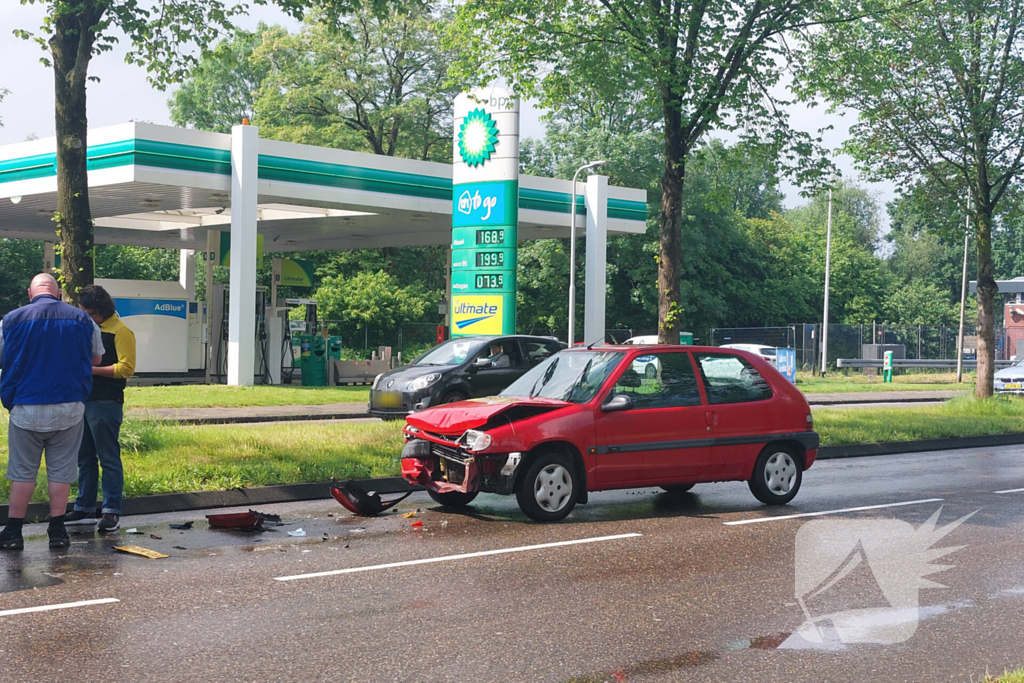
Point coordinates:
[(44, 283)]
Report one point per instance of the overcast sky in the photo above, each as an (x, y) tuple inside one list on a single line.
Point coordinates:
[(123, 94)]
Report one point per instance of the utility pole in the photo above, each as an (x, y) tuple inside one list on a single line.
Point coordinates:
[(963, 303), (828, 272)]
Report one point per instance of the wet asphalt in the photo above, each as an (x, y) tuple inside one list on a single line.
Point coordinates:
[(690, 598)]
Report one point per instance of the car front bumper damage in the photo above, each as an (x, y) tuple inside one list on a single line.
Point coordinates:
[(446, 467)]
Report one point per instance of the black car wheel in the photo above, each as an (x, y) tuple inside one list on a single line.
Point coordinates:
[(453, 499), (677, 488), (549, 489), (777, 475), (453, 397)]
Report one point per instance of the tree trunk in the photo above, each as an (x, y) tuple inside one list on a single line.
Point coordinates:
[(71, 47), (670, 219), (987, 290)]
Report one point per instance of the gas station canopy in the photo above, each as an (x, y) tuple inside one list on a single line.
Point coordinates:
[(159, 186)]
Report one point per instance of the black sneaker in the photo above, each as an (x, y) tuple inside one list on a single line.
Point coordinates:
[(108, 523), (79, 517), (10, 539), (58, 536)]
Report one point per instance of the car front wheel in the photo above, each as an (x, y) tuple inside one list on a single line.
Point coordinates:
[(549, 489), (452, 499), (777, 475)]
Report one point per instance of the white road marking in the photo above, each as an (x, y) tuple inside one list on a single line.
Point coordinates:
[(832, 512), (464, 556), (1009, 491), (66, 605)]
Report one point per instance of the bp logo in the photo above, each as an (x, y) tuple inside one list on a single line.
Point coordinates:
[(478, 135)]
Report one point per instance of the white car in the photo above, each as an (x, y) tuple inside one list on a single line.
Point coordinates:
[(766, 352), (652, 339), (1010, 380)]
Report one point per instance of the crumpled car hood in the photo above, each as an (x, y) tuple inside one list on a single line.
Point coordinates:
[(455, 418)]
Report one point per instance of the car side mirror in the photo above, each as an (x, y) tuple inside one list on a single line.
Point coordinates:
[(483, 363), (616, 404)]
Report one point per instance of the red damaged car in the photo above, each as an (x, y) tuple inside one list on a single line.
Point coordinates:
[(616, 417)]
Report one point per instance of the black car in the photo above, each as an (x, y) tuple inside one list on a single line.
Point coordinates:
[(461, 368)]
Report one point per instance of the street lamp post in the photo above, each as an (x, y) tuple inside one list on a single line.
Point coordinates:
[(572, 249), (828, 273)]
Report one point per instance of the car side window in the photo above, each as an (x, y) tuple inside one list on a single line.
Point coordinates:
[(537, 351), (502, 354), (659, 380), (731, 379)]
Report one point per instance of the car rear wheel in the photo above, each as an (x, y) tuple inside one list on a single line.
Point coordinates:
[(677, 488), (549, 489), (778, 473), (452, 499)]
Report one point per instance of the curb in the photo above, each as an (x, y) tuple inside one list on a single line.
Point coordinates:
[(257, 495), (896, 447), (290, 493), (842, 402)]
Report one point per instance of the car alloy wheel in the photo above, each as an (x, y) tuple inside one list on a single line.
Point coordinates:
[(780, 473), (552, 488)]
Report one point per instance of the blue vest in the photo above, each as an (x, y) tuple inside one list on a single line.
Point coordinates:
[(47, 354)]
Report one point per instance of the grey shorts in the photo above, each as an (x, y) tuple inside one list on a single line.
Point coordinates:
[(25, 448)]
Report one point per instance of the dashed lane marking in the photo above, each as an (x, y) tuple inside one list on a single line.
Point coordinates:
[(831, 512), (65, 605), (1009, 491), (463, 556)]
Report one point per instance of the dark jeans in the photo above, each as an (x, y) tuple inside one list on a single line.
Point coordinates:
[(100, 446)]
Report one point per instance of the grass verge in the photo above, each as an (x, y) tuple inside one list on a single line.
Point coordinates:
[(963, 416), (856, 381), (1015, 676), (160, 458), (220, 396), (168, 459)]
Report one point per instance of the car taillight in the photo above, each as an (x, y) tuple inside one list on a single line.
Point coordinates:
[(810, 421)]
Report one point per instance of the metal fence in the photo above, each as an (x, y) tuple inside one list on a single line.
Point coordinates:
[(847, 341)]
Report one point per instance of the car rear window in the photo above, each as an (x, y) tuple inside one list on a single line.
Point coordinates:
[(730, 379)]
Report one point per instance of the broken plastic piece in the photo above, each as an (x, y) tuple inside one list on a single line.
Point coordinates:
[(407, 515), (184, 527), (133, 530), (297, 532), (137, 550), (159, 538), (418, 523), (178, 547), (357, 501), (236, 520)]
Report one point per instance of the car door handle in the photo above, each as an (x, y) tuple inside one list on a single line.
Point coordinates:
[(710, 418)]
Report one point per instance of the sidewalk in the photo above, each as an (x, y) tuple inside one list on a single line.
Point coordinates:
[(330, 411), (882, 397)]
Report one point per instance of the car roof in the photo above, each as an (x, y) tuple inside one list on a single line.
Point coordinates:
[(652, 348)]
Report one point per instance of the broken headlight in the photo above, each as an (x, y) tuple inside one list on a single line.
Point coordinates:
[(476, 441)]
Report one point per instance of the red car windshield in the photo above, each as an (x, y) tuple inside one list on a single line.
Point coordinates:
[(574, 376)]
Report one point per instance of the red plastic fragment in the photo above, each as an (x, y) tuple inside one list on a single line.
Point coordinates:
[(417, 523)]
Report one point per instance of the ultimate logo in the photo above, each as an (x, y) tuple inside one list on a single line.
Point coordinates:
[(478, 135)]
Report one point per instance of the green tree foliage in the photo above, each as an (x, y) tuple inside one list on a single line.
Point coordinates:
[(691, 67), (21, 260), (938, 87), (370, 302), (160, 36), (136, 263)]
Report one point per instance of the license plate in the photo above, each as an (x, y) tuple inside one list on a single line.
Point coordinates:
[(1012, 386), (389, 399)]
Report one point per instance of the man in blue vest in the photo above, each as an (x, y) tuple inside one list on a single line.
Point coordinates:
[(47, 350)]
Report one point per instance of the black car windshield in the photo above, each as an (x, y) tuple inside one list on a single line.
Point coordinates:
[(574, 376), (452, 352)]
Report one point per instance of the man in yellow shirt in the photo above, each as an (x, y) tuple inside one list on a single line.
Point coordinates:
[(103, 415)]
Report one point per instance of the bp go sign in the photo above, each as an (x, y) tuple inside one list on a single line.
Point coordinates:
[(485, 212)]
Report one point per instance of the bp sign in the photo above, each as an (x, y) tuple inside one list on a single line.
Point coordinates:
[(485, 212)]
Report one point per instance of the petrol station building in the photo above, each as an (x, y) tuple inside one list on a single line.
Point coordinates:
[(230, 194)]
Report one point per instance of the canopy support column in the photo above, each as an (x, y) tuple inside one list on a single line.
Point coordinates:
[(242, 298), (596, 198)]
